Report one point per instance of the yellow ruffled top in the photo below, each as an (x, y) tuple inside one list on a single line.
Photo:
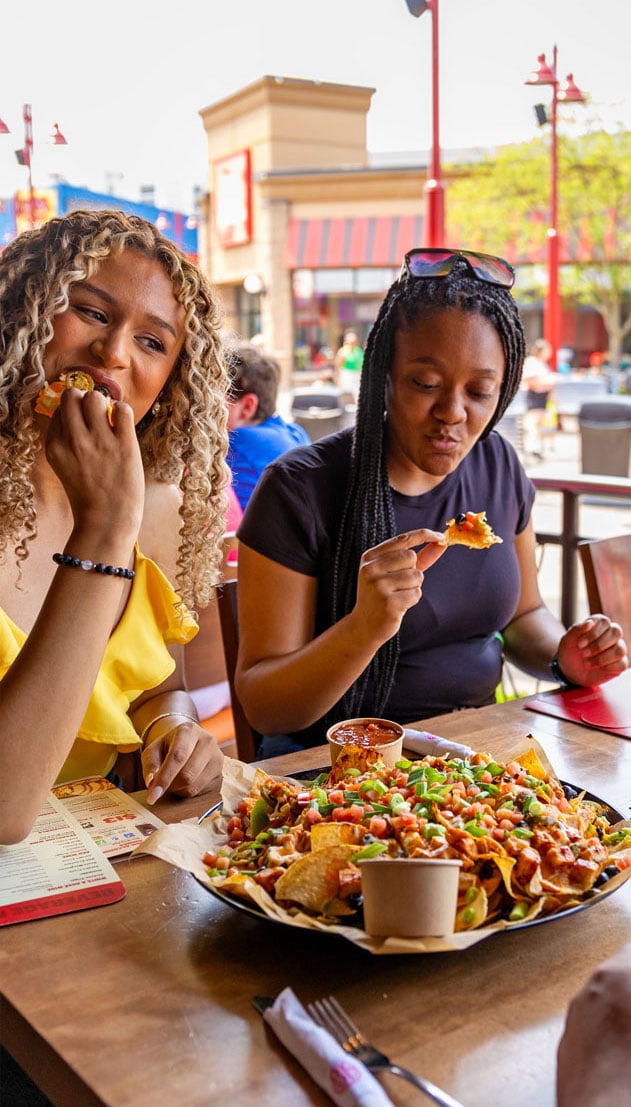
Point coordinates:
[(136, 659)]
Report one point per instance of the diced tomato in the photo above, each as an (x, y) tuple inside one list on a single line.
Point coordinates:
[(399, 822), (222, 863), (312, 816), (210, 859), (336, 796), (235, 822), (236, 835), (378, 826), (242, 807), (352, 814)]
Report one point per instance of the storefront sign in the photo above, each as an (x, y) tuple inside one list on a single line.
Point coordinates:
[(233, 199)]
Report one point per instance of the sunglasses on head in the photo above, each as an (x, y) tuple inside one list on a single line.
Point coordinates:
[(436, 262)]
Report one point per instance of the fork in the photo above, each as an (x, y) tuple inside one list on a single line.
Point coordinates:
[(328, 1014)]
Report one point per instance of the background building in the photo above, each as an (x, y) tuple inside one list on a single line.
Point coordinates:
[(62, 198), (302, 232)]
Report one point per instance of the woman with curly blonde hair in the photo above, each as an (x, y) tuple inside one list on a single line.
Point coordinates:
[(109, 328)]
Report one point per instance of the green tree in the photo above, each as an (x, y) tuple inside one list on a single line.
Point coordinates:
[(501, 205)]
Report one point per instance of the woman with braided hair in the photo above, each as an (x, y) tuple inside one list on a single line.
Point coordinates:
[(112, 465), (348, 604)]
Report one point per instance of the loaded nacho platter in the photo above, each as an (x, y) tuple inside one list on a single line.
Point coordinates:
[(531, 848)]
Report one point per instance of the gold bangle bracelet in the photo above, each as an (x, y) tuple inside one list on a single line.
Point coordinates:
[(167, 715)]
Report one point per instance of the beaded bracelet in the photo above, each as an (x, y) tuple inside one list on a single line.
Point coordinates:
[(98, 567)]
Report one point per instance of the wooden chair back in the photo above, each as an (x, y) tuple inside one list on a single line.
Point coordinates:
[(203, 656), (607, 569), (247, 738)]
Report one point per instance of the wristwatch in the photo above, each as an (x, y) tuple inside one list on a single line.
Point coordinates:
[(559, 675)]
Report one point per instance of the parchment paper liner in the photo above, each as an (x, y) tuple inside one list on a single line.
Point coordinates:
[(184, 844)]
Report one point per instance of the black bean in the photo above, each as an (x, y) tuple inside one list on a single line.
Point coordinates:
[(605, 875), (570, 792)]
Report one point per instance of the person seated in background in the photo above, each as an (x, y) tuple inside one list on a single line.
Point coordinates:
[(349, 361), (594, 1055), (257, 434), (111, 506), (349, 605)]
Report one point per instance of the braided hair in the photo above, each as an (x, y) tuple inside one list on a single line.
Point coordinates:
[(368, 515)]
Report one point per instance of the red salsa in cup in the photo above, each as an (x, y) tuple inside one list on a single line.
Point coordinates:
[(367, 734)]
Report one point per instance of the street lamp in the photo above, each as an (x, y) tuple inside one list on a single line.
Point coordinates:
[(434, 231), (25, 155), (566, 93)]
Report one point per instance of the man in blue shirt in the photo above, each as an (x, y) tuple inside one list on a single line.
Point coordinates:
[(257, 433)]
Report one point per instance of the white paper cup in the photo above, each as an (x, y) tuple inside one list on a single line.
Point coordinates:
[(380, 734), (409, 897)]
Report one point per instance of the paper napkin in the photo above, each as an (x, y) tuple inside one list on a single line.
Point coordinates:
[(423, 743), (343, 1078)]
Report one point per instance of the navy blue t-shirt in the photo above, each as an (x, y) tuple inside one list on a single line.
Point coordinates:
[(450, 655)]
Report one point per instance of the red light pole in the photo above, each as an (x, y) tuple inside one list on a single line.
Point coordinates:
[(25, 155), (28, 159), (434, 190), (567, 93)]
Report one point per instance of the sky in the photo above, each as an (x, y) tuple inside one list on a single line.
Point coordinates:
[(126, 84)]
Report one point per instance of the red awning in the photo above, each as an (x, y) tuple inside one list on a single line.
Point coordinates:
[(380, 240)]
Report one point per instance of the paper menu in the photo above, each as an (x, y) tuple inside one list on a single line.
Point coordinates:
[(57, 869), (63, 864), (605, 707), (115, 822)]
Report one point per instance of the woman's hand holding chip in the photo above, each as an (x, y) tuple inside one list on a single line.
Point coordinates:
[(390, 579)]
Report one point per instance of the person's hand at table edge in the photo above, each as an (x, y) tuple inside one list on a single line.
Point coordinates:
[(592, 652)]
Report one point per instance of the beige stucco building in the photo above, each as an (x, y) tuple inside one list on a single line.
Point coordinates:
[(295, 210)]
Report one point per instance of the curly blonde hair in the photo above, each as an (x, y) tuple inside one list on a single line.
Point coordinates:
[(185, 443)]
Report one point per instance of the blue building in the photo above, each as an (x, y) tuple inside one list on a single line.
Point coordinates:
[(63, 198)]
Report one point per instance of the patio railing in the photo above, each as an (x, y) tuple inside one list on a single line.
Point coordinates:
[(571, 489)]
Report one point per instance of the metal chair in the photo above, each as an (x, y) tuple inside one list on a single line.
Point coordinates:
[(320, 412), (607, 569), (605, 430)]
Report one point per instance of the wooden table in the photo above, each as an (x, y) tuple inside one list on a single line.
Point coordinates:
[(147, 1001)]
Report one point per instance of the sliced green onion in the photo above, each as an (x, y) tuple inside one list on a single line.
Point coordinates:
[(373, 850), (373, 786)]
